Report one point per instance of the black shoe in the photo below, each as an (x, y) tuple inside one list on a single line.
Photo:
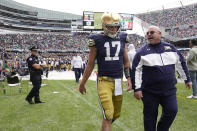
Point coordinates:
[(29, 101), (37, 102)]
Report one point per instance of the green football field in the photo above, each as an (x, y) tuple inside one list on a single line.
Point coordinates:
[(68, 110)]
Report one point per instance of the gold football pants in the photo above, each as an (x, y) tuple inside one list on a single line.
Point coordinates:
[(110, 104)]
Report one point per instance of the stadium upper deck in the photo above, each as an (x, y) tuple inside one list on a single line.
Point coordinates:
[(178, 23), (17, 16)]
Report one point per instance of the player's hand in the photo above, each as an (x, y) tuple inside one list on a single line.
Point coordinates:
[(138, 95), (82, 89), (129, 85), (188, 85)]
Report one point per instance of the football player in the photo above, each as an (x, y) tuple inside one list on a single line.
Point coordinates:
[(109, 49)]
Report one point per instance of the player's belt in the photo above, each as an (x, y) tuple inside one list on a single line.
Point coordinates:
[(105, 78)]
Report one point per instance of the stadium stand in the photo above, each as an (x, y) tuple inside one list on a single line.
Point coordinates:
[(20, 17), (46, 42), (180, 22), (171, 17), (52, 31)]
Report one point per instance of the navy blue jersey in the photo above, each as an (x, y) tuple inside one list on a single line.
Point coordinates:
[(109, 54)]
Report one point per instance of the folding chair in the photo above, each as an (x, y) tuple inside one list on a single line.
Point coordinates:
[(13, 81)]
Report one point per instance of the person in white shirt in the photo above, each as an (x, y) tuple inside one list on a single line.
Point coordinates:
[(57, 65), (52, 64), (131, 53), (76, 65)]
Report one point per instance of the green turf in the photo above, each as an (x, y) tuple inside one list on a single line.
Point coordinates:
[(70, 111)]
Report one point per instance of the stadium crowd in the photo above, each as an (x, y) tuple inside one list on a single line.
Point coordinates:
[(137, 40), (56, 49), (54, 42), (184, 33), (173, 19), (46, 42), (54, 61)]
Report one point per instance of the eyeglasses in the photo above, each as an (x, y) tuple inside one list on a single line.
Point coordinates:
[(151, 32)]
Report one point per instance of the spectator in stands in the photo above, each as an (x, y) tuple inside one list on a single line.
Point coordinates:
[(46, 42), (18, 44), (154, 80), (192, 66), (7, 67), (182, 20), (178, 16)]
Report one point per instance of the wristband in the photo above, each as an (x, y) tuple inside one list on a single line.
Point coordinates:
[(126, 72)]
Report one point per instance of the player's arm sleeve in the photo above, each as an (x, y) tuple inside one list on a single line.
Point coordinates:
[(136, 74), (181, 67)]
